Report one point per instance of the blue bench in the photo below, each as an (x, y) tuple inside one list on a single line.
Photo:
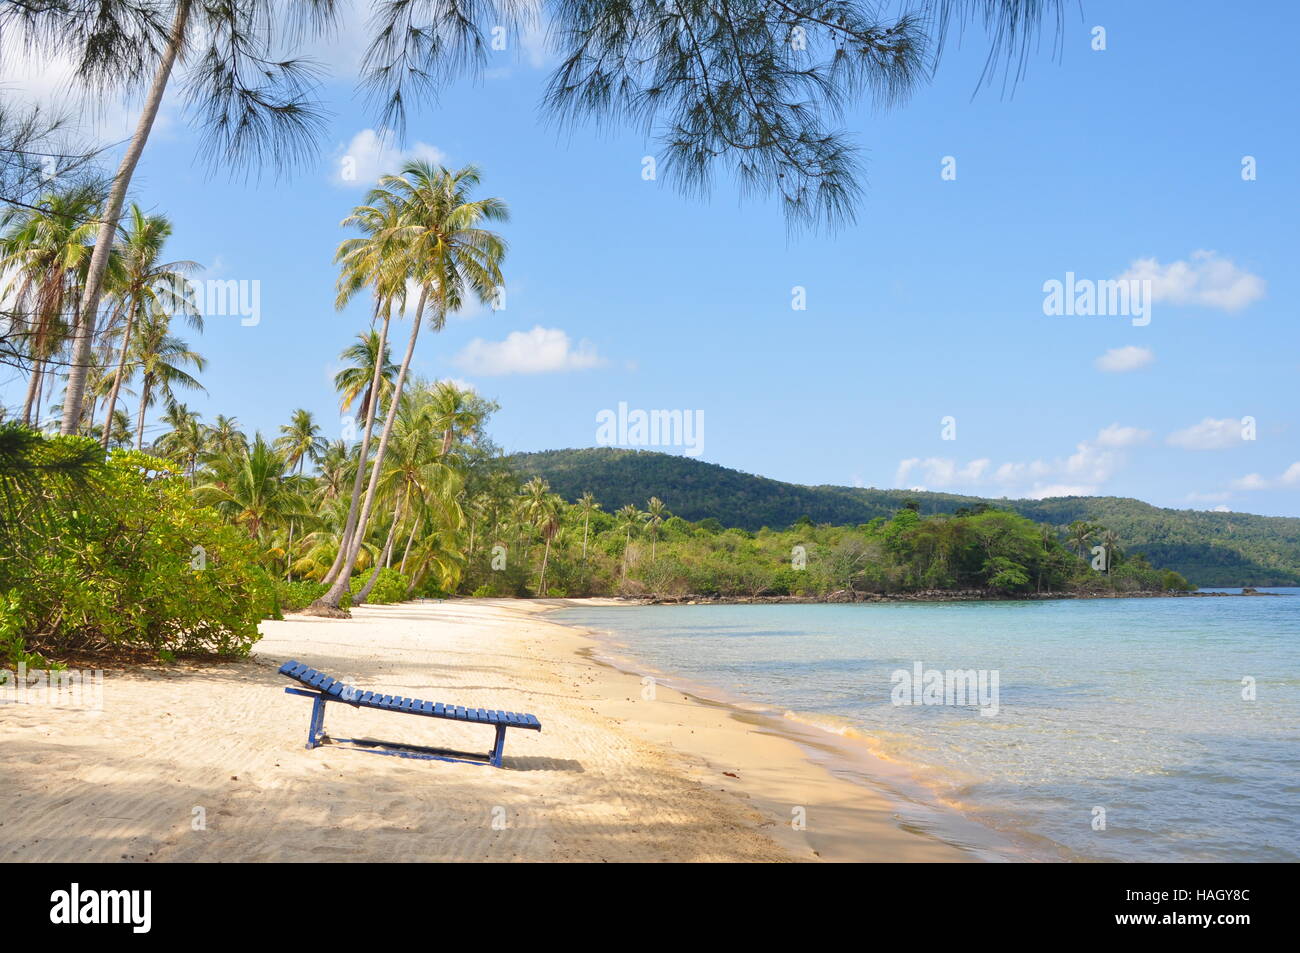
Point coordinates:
[(327, 689)]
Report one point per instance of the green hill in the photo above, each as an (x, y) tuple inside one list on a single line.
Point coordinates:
[(1210, 549)]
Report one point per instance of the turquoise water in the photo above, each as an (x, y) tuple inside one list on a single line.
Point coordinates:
[(1133, 706)]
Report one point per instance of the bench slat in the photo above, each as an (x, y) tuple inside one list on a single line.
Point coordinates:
[(334, 688)]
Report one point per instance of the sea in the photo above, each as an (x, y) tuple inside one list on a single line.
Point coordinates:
[(1142, 729)]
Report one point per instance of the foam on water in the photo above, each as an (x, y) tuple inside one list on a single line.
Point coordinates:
[(1133, 706)]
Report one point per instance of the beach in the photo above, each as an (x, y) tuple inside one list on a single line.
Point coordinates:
[(206, 761)]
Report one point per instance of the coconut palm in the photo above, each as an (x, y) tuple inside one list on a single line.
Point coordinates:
[(358, 372), (253, 489), (587, 504), (406, 472), (541, 509), (628, 518), (119, 435), (372, 260), (334, 472), (1079, 535), (449, 257), (300, 440), (1110, 541), (186, 438), (160, 356), (146, 285), (45, 251), (456, 412), (224, 436), (654, 518), (254, 103)]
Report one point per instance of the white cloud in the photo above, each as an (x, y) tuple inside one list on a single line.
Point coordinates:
[(1080, 474), (1118, 436), (373, 153), (1253, 481), (459, 383), (1118, 360), (539, 351), (1222, 509), (1060, 489), (1209, 434), (1206, 280)]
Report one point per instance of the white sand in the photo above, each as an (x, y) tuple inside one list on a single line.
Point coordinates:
[(612, 777)]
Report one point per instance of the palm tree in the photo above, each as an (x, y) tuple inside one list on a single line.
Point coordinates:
[(45, 250), (186, 439), (300, 440), (654, 518), (358, 373), (253, 101), (408, 470), (455, 413), (1110, 541), (629, 518), (334, 466), (587, 505), (373, 260), (253, 489), (160, 357), (448, 256), (146, 286), (119, 431), (1079, 534), (541, 509), (225, 437)]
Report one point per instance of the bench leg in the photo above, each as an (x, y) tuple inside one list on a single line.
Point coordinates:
[(499, 746), (317, 722)]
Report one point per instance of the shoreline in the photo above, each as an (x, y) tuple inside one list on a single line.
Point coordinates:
[(773, 765), (863, 598), (849, 758), (190, 761)]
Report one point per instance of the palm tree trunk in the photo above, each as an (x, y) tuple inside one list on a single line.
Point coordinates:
[(84, 328), (40, 397), (410, 541), (330, 601), (586, 517), (364, 594), (117, 376), (145, 386), (288, 556), (33, 385), (372, 402), (541, 585)]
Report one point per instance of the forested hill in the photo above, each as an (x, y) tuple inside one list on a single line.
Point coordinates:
[(1210, 549)]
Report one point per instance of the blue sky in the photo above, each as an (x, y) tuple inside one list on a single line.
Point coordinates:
[(1120, 162)]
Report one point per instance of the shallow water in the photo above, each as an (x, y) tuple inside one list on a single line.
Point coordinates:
[(1131, 707)]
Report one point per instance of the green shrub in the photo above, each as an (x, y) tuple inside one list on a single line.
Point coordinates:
[(134, 563), (390, 587), (300, 593)]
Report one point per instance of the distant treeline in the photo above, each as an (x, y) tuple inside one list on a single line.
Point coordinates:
[(1210, 549), (581, 550)]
